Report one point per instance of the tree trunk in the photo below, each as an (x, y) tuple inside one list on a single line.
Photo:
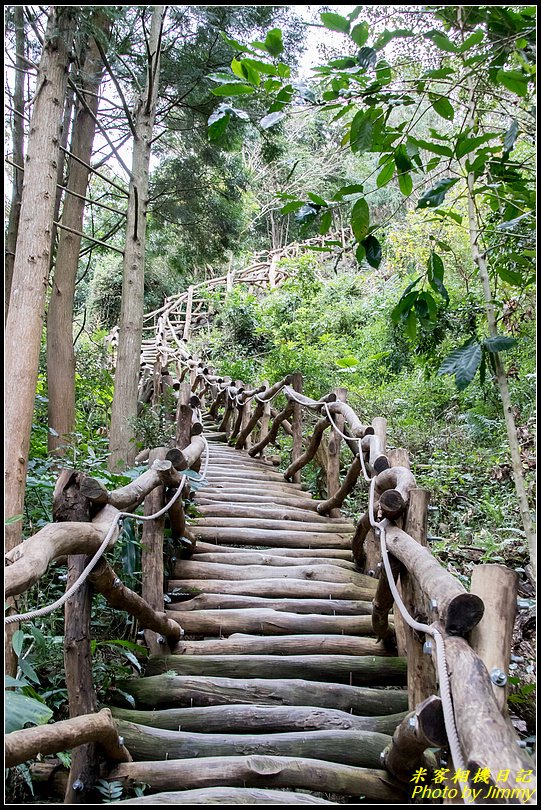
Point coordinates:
[(17, 134), (124, 410), (60, 352), (32, 258), (31, 270)]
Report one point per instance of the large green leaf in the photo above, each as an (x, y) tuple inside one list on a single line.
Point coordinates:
[(359, 34), (22, 711), (405, 183), (463, 363), (387, 36), (270, 120), (232, 89), (273, 42), (435, 275), (373, 250), (436, 195), (360, 219), (406, 302), (510, 137), (335, 22), (466, 143), (385, 175), (443, 106), (499, 343), (361, 132), (442, 41), (514, 81), (431, 146)]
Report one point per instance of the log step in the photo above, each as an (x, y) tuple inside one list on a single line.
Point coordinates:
[(227, 795), (193, 569), (187, 690), (316, 644), (262, 771), (275, 588), (274, 525), (241, 557), (267, 622), (330, 607), (269, 537), (360, 748), (357, 671), (261, 719), (335, 553)]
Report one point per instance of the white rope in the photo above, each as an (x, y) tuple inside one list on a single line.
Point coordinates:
[(45, 611), (432, 630)]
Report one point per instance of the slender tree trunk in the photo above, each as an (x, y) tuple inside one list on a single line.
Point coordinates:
[(479, 258), (32, 258), (124, 409), (60, 352), (18, 153)]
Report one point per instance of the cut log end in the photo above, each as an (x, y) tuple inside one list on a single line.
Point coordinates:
[(463, 613)]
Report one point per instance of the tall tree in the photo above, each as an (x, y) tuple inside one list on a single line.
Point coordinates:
[(32, 257), (60, 350), (122, 448), (18, 152)]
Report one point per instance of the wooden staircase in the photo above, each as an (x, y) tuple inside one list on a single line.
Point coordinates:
[(278, 685)]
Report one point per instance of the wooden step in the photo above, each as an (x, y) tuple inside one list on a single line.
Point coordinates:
[(244, 644), (276, 588), (193, 569), (267, 622), (355, 670), (275, 525), (239, 557), (227, 795), (211, 548), (330, 607), (268, 537)]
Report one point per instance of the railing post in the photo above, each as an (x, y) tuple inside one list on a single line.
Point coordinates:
[(152, 555), (183, 417), (188, 315), (492, 639), (333, 451), (296, 425), (421, 673), (265, 419)]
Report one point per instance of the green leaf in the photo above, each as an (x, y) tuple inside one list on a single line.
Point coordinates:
[(436, 195), (463, 363), (270, 120), (405, 183), (466, 144), (443, 106), (360, 253), (373, 251), (474, 39), (450, 214), (18, 683), (273, 42), (22, 711), (326, 222), (406, 302), (359, 34), (511, 277), (514, 81), (402, 159), (387, 36), (218, 126), (292, 206), (335, 22), (345, 191), (510, 137), (360, 219), (232, 89), (383, 72), (361, 132), (441, 40), (17, 642), (14, 519), (426, 307), (499, 343), (317, 199), (435, 275), (430, 146), (439, 73), (261, 67), (347, 362), (411, 324), (234, 43), (385, 175)]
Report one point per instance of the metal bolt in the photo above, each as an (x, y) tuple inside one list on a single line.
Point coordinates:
[(382, 757), (427, 648), (371, 572), (379, 566), (412, 722), (162, 640), (498, 677), (121, 740), (78, 786), (522, 743), (116, 582), (433, 604)]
